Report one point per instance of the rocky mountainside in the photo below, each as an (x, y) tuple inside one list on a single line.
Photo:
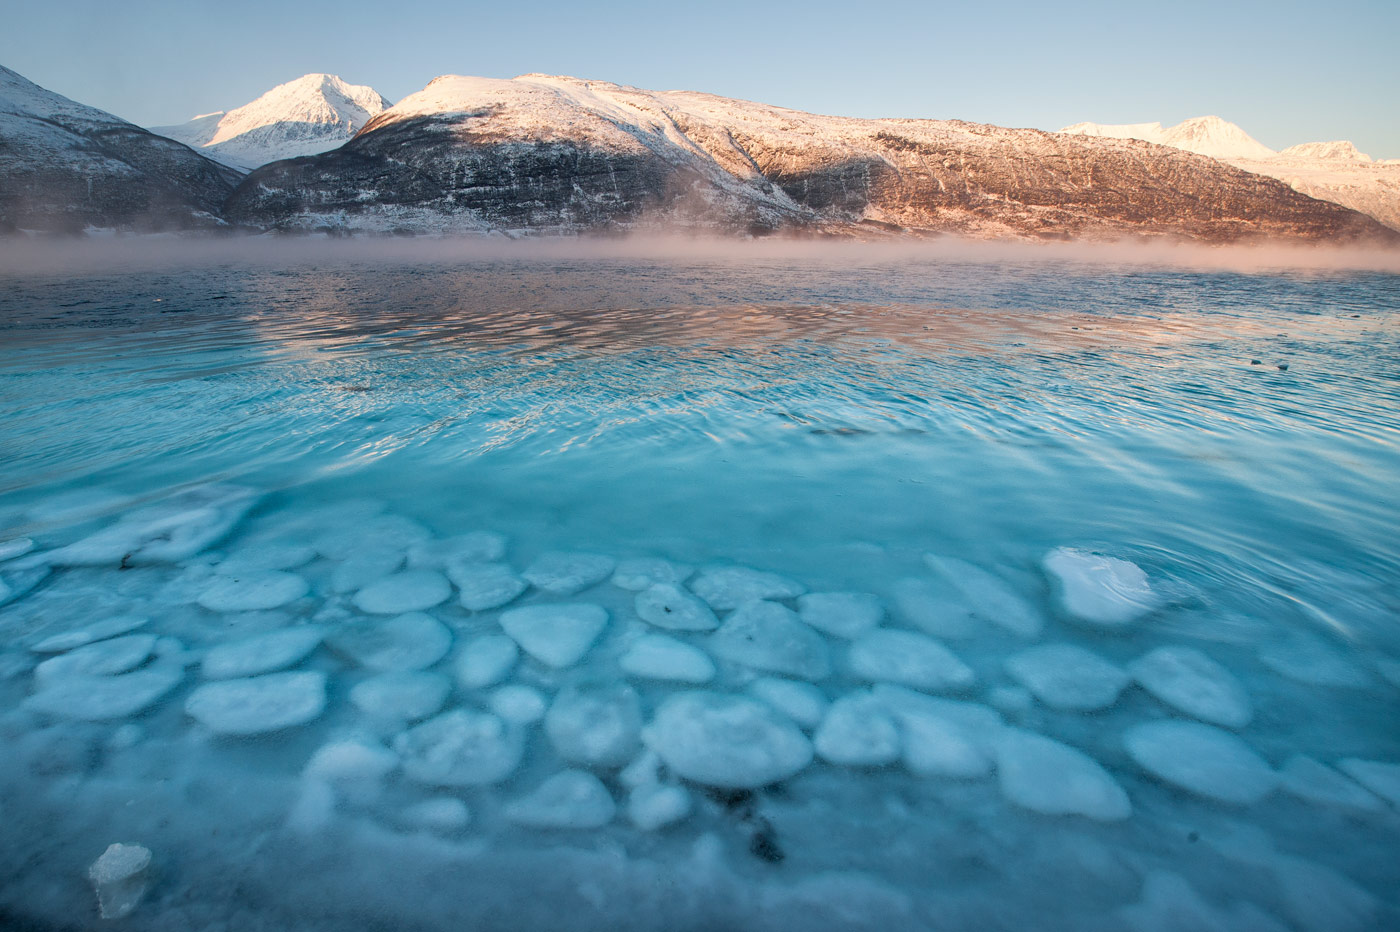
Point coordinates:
[(65, 167), (1331, 171), (312, 114), (542, 153)]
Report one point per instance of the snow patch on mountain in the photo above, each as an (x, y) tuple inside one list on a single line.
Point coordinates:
[(1337, 150), (313, 114)]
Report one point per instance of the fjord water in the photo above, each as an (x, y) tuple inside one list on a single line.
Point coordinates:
[(1234, 434)]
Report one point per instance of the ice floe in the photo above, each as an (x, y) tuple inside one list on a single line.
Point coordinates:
[(1379, 777), (261, 653), (94, 698), (483, 586), (565, 573), (906, 657), (472, 547), (253, 591), (572, 799), (378, 533), (107, 628), (103, 658), (989, 597), (269, 555), (644, 572), (517, 703), (356, 767), (652, 806), (119, 878), (802, 702), (1101, 590), (1315, 782), (1068, 677), (942, 737), (408, 591), (1201, 759), (259, 704), (595, 724), (1189, 681), (485, 660), (931, 608), (659, 657), (667, 605), (841, 614), (728, 587), (441, 814), (401, 695), (173, 529), (1309, 660), (768, 636), (857, 731), (414, 641), (557, 634), (726, 741), (15, 547), (364, 567), (1046, 776), (460, 747)]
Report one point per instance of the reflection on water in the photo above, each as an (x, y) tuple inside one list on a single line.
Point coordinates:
[(1235, 435)]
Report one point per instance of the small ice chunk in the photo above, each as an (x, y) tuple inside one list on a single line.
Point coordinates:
[(727, 587), (1067, 677), (262, 653), (472, 547), (517, 703), (841, 614), (166, 531), (253, 592), (1202, 759), (1010, 700), (364, 567), (1189, 681), (1379, 777), (1311, 661), (1314, 781), (858, 732), (653, 805), (645, 572), (110, 627), (726, 741), (15, 547), (382, 532), (1043, 775), (270, 555), (355, 767), (659, 657), (1101, 590), (409, 591), (889, 655), (401, 695), (460, 747), (667, 605), (484, 586), (644, 770), (103, 658), (563, 573), (414, 641), (313, 807), (595, 724), (802, 702), (769, 636), (942, 737), (259, 704), (119, 878), (933, 609), (989, 597), (557, 634), (95, 698), (571, 799), (485, 660), (441, 814)]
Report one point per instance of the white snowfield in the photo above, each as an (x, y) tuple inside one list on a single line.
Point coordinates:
[(1331, 171), (314, 113)]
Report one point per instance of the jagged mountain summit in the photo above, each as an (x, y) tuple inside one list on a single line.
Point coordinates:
[(312, 114), (67, 167), (1331, 171), (542, 153)]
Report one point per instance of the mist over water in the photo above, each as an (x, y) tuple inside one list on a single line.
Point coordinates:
[(1228, 421)]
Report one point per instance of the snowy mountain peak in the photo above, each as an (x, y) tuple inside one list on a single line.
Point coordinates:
[(1339, 150), (311, 114), (1207, 135)]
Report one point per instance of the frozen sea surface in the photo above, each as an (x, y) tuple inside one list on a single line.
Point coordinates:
[(702, 594)]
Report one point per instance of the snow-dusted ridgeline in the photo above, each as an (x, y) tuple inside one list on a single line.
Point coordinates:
[(312, 114)]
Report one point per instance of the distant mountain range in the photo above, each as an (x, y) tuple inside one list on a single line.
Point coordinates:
[(1332, 171), (312, 114), (550, 154)]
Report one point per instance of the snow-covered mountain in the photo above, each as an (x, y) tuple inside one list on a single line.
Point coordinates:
[(65, 167), (312, 114), (1333, 171), (561, 154)]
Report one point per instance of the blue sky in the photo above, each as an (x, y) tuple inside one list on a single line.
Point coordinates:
[(1287, 72)]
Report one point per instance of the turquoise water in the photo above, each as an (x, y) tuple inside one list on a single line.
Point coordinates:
[(1233, 435)]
